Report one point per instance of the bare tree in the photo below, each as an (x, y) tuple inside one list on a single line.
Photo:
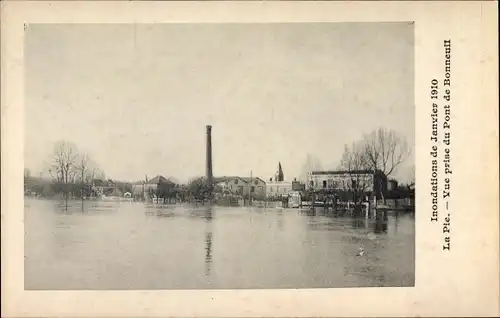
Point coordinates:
[(411, 181), (62, 167), (86, 171), (359, 173), (385, 150), (311, 163), (99, 174)]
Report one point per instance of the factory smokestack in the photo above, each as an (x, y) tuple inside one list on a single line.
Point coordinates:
[(209, 156)]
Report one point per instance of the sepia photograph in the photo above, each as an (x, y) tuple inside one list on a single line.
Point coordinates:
[(174, 156), (249, 159)]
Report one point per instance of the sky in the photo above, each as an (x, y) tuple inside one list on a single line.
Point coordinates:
[(137, 98)]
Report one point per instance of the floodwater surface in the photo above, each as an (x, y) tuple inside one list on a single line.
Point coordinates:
[(124, 245)]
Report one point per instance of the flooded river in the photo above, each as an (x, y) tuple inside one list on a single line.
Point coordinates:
[(134, 246)]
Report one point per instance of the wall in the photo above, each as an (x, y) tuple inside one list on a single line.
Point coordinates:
[(239, 186), (376, 182), (137, 190), (278, 188), (259, 188), (341, 181)]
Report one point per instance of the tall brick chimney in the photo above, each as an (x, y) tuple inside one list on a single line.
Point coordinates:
[(209, 174)]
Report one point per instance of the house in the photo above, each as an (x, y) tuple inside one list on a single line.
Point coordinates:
[(156, 182), (231, 185), (138, 189), (278, 188), (159, 185), (152, 187), (242, 186), (298, 186), (256, 186), (103, 187), (367, 181)]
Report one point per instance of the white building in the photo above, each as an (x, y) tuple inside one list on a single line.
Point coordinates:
[(366, 180), (277, 188)]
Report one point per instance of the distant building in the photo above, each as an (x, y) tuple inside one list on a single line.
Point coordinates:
[(278, 188), (156, 182), (298, 186), (242, 185), (232, 185), (367, 180), (148, 188), (103, 187), (256, 186), (138, 189), (158, 186)]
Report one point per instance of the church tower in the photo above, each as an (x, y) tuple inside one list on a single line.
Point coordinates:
[(279, 177)]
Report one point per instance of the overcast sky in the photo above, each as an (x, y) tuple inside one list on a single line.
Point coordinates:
[(137, 98)]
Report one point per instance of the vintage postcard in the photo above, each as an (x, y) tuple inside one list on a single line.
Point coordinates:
[(249, 159)]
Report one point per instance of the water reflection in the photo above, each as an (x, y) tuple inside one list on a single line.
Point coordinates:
[(208, 213), (279, 219), (380, 227), (208, 253), (208, 216), (359, 223), (381, 221), (396, 222), (134, 246)]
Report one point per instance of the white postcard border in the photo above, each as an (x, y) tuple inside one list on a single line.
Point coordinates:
[(463, 281)]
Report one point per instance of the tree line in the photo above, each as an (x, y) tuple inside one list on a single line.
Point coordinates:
[(382, 151), (72, 174)]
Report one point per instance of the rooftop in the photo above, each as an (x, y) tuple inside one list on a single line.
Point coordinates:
[(244, 179), (341, 172), (228, 178), (249, 180), (103, 183), (159, 179)]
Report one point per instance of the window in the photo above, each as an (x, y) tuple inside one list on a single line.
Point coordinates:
[(271, 189), (324, 184), (235, 181), (252, 189), (240, 189)]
